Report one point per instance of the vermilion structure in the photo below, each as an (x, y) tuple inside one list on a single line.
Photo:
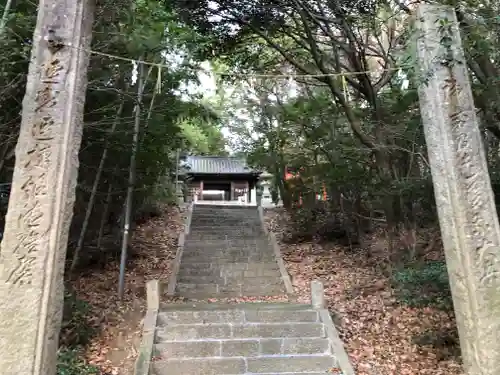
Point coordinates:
[(290, 174)]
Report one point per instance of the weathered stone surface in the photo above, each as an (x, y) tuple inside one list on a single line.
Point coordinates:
[(36, 229), (186, 271), (188, 349), (192, 279), (263, 291), (250, 338), (278, 330), (209, 366), (209, 289), (464, 198), (227, 254), (269, 271), (240, 348), (277, 316), (305, 346), (271, 346), (241, 341), (205, 317), (194, 332), (226, 258), (255, 282), (272, 365), (197, 265)]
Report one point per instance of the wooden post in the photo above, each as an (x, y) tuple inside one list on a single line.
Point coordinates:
[(464, 198), (33, 249)]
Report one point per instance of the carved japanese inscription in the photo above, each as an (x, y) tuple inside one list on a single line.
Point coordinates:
[(35, 163), (473, 187), (43, 189), (467, 214)]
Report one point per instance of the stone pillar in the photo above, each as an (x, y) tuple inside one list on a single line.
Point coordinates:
[(464, 198), (317, 295), (33, 249)]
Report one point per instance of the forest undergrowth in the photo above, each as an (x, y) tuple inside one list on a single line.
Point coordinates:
[(388, 327), (115, 325)]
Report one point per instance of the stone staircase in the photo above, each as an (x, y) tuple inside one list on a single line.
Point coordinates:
[(251, 339), (225, 252)]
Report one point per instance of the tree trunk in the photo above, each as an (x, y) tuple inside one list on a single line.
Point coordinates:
[(131, 181), (104, 216), (90, 205)]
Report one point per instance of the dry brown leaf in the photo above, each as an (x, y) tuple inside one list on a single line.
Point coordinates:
[(376, 331)]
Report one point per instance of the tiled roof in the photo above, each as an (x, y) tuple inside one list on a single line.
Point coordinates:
[(216, 165)]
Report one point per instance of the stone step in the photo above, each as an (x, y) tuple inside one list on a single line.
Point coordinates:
[(263, 245), (189, 279), (223, 207), (255, 313), (257, 293), (236, 266), (187, 258), (241, 250), (262, 280), (241, 348), (244, 228), (223, 234), (190, 332), (207, 246), (235, 226), (229, 220), (204, 291), (223, 241), (227, 252), (225, 222), (285, 365), (226, 212), (219, 213), (227, 272), (247, 283), (241, 339), (214, 236), (225, 215), (226, 233)]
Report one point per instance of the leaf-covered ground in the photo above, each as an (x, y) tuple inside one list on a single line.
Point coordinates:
[(115, 347), (378, 332)]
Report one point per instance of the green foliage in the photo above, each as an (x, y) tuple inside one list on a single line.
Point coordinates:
[(425, 284), (69, 362), (171, 118), (75, 329), (75, 335), (317, 221), (202, 137)]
